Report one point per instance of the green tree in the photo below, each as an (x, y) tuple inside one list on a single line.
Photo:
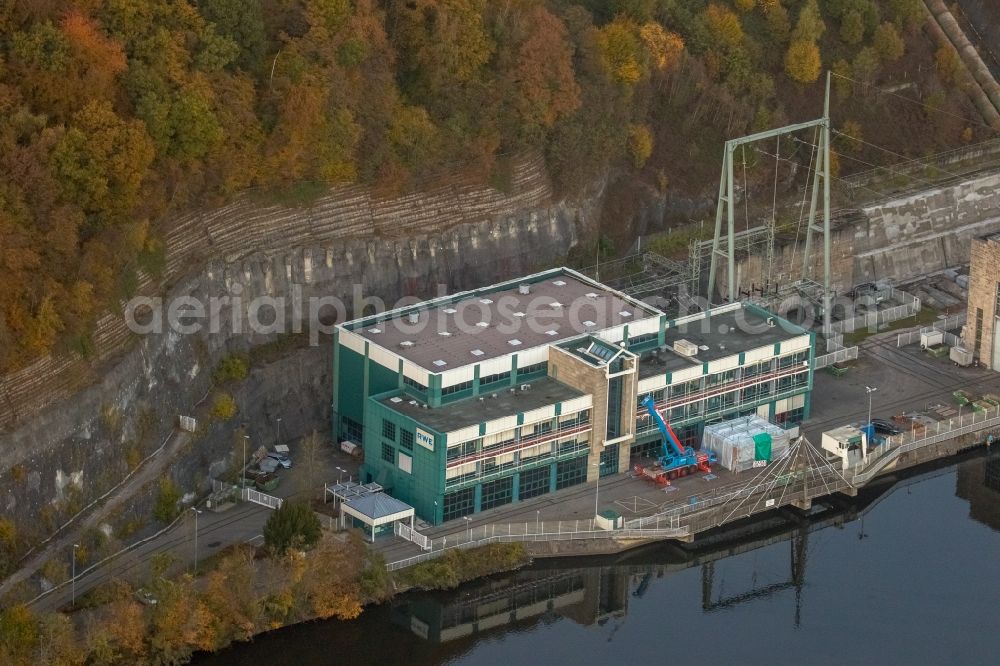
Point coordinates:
[(852, 28), (167, 499), (810, 26), (865, 65), (102, 161), (292, 525), (887, 43), (243, 23)]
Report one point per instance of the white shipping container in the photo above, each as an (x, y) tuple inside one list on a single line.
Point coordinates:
[(733, 441)]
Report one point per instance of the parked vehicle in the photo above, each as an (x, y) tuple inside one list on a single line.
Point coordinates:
[(281, 458), (146, 597), (884, 427)]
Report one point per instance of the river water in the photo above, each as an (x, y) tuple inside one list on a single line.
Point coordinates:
[(907, 573)]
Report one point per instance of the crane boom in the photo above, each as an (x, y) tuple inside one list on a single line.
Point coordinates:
[(671, 445)]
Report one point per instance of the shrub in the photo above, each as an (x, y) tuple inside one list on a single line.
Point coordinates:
[(233, 368), (224, 407), (293, 525), (458, 566), (166, 509)]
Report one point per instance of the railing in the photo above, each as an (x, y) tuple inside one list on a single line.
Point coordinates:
[(973, 422), (566, 530), (406, 532), (257, 497), (839, 356)]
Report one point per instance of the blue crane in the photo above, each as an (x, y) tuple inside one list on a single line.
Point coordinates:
[(675, 457)]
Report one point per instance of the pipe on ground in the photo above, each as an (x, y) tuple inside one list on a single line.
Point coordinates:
[(981, 74)]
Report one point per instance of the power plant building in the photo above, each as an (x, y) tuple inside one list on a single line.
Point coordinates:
[(476, 400)]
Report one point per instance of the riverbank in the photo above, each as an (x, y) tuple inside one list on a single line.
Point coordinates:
[(240, 594)]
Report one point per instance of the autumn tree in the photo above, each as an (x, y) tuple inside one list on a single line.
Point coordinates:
[(640, 144), (724, 25), (622, 51), (181, 623), (802, 61), (231, 599)]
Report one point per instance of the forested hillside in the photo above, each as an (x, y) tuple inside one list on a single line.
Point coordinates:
[(113, 113)]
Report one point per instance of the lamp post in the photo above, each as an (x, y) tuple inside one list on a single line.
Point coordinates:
[(196, 514), (869, 390), (468, 528), (73, 585), (277, 438), (246, 438), (536, 520)]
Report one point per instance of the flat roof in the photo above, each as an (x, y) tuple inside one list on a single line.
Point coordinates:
[(495, 321), (718, 335), (544, 391)]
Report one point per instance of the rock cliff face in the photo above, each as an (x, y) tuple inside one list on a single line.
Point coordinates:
[(73, 425)]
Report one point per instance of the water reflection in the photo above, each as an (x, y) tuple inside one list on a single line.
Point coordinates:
[(797, 578), (979, 484)]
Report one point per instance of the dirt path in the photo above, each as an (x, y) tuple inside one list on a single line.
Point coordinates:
[(149, 470)]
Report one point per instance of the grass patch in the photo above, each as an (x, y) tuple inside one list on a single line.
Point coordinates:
[(925, 317), (458, 566)]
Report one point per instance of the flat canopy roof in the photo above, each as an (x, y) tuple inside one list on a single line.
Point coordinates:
[(544, 391), (723, 333), (495, 321)]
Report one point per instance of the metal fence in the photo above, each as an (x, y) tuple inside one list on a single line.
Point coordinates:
[(257, 497), (566, 530), (839, 356), (944, 325), (404, 531), (873, 320)]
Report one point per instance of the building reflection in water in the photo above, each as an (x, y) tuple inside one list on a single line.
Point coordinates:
[(979, 484), (586, 596)]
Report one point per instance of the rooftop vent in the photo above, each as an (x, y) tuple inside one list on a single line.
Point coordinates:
[(514, 342), (589, 324), (413, 402), (483, 324), (444, 333), (592, 295), (551, 332), (375, 331), (439, 363), (685, 348), (396, 400), (413, 317), (449, 310), (406, 343), (556, 304), (518, 314), (481, 398), (477, 352), (770, 322), (525, 387), (486, 301), (524, 289), (703, 347), (559, 283), (625, 313)]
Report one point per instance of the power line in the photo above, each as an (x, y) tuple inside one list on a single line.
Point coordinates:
[(907, 159), (917, 102)]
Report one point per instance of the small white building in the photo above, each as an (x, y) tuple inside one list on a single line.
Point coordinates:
[(849, 443)]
